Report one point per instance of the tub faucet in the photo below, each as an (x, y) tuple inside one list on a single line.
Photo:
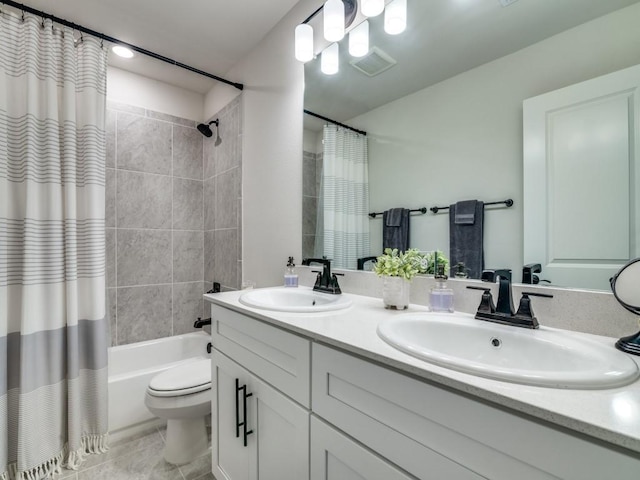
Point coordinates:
[(326, 282), (503, 312)]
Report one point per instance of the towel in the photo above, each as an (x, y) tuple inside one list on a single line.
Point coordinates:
[(395, 229), (465, 212), (466, 236)]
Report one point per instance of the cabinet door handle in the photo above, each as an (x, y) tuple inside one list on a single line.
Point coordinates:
[(238, 423), (245, 395)]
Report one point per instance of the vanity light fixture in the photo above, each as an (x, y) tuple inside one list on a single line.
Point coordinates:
[(338, 15), (333, 16), (359, 40), (372, 8), (121, 51), (395, 17), (330, 60)]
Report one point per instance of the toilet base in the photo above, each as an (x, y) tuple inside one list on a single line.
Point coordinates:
[(186, 440)]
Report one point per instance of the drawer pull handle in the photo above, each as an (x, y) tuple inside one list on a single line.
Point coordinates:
[(245, 395)]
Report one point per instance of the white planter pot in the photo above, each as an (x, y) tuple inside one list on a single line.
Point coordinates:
[(395, 292)]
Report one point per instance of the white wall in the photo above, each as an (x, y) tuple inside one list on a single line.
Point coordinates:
[(462, 139), (271, 149), (140, 91)]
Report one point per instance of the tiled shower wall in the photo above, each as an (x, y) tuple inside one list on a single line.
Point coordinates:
[(311, 175), (156, 215)]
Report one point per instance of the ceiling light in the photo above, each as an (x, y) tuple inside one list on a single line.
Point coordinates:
[(395, 17), (359, 40), (121, 51), (372, 8), (330, 59), (304, 42), (333, 12)]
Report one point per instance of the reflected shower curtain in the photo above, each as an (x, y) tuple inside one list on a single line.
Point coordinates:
[(53, 328), (343, 221)]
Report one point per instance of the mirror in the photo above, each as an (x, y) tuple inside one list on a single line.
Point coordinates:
[(625, 288), (444, 123)]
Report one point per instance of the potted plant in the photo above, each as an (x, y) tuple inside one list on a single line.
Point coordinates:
[(397, 270)]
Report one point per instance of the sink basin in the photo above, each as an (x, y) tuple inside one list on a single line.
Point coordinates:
[(544, 357), (289, 299)]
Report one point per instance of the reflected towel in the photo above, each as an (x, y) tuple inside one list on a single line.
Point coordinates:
[(395, 230), (466, 239)]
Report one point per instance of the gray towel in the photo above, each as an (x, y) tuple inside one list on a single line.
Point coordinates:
[(465, 212), (466, 239), (395, 230)]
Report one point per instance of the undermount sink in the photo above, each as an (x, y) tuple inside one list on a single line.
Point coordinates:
[(544, 357), (291, 299)]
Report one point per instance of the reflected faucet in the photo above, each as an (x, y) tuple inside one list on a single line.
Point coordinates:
[(326, 282)]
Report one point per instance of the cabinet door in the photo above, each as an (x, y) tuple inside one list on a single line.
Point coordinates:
[(229, 457), (277, 440), (336, 457)]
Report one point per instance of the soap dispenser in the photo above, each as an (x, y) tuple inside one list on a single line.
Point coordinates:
[(290, 275), (441, 297)]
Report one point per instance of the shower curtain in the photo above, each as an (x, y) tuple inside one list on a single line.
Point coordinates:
[(53, 328), (343, 221)]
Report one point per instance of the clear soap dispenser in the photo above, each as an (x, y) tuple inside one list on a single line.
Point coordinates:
[(441, 297), (290, 275)]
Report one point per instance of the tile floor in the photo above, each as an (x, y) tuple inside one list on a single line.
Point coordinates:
[(139, 458)]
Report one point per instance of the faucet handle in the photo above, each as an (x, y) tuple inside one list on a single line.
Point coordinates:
[(486, 303), (525, 310)]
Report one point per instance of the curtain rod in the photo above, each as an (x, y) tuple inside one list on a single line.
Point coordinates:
[(102, 36), (508, 202), (326, 119)]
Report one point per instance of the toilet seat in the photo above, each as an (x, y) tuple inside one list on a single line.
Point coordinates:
[(192, 377)]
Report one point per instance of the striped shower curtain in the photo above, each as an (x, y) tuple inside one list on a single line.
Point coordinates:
[(343, 221), (53, 328)]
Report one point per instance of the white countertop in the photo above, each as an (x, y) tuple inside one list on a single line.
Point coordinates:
[(611, 415)]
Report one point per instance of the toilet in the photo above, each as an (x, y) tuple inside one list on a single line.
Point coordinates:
[(182, 396)]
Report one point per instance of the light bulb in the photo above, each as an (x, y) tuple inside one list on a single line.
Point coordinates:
[(329, 60), (395, 17), (333, 17), (121, 51), (304, 42), (359, 40), (372, 8)]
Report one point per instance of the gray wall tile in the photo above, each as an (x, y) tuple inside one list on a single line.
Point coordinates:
[(210, 155), (143, 144), (309, 176), (123, 107), (143, 200), (171, 119), (144, 313), (309, 215), (111, 257), (110, 200), (188, 251), (209, 257), (187, 204), (112, 305), (227, 193), (144, 257), (209, 200), (226, 257), (187, 306), (187, 152), (110, 133)]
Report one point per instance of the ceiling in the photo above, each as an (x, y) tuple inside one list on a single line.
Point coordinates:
[(211, 35), (443, 38)]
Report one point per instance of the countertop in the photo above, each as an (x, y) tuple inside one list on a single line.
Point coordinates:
[(611, 415)]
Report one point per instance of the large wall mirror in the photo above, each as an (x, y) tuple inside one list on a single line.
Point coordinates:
[(445, 122)]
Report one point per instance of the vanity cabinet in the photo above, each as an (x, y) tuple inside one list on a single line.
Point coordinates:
[(258, 430)]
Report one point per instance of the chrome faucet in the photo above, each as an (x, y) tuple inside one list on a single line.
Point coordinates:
[(326, 282), (504, 312)]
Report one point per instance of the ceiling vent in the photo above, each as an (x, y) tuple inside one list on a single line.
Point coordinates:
[(374, 62)]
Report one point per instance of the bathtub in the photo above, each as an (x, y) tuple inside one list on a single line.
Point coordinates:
[(132, 366)]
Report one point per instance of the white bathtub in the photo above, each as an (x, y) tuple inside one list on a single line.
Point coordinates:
[(132, 366)]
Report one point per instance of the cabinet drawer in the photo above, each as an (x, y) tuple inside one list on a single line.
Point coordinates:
[(422, 427), (280, 358), (336, 457)]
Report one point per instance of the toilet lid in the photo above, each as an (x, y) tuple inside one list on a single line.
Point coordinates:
[(188, 378)]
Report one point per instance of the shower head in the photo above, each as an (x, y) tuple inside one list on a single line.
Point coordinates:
[(205, 129)]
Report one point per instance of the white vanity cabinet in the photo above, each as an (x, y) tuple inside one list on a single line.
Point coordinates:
[(258, 432)]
